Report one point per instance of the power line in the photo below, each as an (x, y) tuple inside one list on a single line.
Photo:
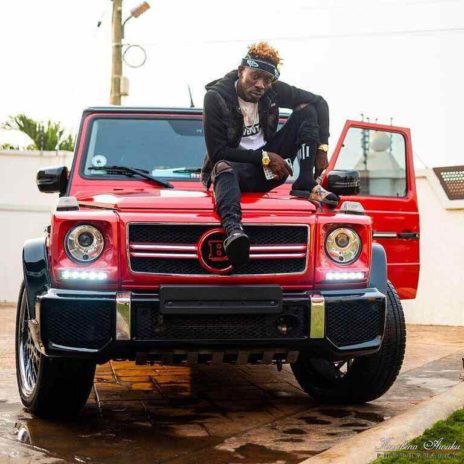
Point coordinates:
[(327, 36), (381, 3), (430, 2)]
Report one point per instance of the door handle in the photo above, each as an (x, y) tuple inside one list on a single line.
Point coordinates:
[(409, 235), (378, 234), (403, 235)]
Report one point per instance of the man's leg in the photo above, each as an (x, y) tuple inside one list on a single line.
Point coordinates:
[(227, 198), (299, 137)]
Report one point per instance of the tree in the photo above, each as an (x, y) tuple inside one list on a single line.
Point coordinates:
[(47, 136)]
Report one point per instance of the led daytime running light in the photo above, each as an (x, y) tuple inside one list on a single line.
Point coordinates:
[(71, 274), (344, 276)]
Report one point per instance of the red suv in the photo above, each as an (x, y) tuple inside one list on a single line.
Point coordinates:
[(132, 265)]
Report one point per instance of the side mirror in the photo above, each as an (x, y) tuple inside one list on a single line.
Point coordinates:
[(344, 182), (53, 179)]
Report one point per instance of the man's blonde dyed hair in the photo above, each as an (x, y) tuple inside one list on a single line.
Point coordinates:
[(262, 50)]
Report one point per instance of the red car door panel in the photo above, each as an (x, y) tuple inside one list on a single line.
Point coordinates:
[(383, 157)]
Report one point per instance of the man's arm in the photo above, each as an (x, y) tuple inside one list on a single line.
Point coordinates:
[(216, 135), (291, 97)]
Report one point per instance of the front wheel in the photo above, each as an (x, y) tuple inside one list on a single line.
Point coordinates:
[(360, 379), (48, 387)]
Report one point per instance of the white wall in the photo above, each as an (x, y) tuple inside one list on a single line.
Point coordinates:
[(25, 212), (440, 299)]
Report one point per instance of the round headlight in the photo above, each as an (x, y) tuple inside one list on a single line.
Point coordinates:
[(343, 245), (84, 243), (85, 239)]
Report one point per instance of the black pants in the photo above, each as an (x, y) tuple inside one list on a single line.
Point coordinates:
[(230, 178)]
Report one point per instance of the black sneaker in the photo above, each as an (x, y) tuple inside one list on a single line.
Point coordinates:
[(317, 194), (237, 248)]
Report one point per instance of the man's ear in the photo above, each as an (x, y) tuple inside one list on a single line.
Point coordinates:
[(240, 70)]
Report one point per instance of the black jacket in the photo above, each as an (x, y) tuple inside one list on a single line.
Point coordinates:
[(223, 119)]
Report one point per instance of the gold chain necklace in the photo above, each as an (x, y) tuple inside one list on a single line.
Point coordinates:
[(249, 119)]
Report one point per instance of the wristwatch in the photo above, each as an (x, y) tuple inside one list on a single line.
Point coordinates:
[(265, 159), (323, 147)]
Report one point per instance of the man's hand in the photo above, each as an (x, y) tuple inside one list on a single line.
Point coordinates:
[(279, 166), (321, 162)]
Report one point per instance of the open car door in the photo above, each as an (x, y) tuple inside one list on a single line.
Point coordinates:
[(383, 157)]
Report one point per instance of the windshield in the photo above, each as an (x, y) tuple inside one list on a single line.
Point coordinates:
[(164, 148), (167, 148)]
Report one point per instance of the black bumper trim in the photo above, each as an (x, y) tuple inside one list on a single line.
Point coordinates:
[(112, 349)]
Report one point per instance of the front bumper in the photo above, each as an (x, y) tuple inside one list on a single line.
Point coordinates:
[(112, 325)]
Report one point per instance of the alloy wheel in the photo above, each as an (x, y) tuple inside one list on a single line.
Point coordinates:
[(28, 355)]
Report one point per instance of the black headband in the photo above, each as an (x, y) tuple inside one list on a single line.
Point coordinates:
[(262, 65)]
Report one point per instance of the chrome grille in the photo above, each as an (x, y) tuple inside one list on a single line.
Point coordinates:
[(174, 249)]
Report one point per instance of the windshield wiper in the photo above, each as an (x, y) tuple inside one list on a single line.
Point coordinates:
[(188, 170), (130, 172)]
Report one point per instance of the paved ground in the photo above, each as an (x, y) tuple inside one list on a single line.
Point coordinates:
[(223, 415)]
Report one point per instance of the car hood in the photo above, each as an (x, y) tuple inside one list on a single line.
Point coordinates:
[(177, 199)]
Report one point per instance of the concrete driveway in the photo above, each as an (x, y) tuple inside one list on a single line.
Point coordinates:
[(250, 414)]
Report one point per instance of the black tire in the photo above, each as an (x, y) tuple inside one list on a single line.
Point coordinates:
[(366, 378), (48, 387)]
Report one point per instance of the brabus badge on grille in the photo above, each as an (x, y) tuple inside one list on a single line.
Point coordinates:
[(216, 251), (211, 254)]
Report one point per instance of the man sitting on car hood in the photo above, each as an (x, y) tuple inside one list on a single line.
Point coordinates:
[(241, 115)]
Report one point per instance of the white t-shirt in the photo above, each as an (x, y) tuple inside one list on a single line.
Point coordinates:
[(253, 136)]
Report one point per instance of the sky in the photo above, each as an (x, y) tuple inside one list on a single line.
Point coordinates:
[(399, 59)]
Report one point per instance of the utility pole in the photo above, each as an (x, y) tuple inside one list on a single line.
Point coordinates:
[(116, 65)]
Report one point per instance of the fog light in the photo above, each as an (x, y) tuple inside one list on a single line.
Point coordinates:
[(344, 276), (287, 324), (71, 274)]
